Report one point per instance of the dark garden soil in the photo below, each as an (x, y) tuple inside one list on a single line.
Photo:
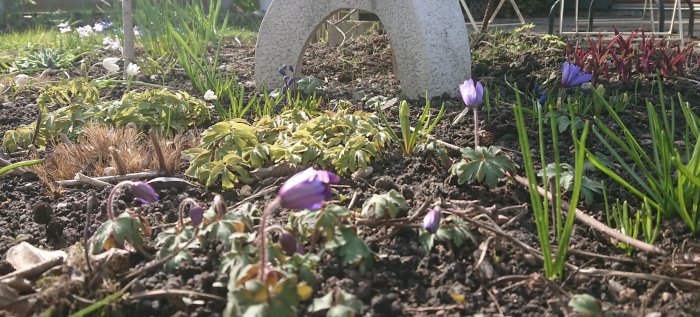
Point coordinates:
[(404, 280)]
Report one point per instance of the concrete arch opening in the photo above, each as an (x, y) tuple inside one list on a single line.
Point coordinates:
[(429, 40)]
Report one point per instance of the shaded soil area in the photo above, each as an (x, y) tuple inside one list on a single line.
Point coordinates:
[(492, 277)]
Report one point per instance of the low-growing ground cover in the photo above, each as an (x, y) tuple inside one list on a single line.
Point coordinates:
[(418, 222)]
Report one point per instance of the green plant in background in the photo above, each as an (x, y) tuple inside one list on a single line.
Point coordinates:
[(411, 136), (166, 111), (384, 206), (553, 264), (670, 179), (45, 58), (485, 165), (161, 109)]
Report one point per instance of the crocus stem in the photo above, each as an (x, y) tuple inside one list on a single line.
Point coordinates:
[(269, 209), (476, 126), (110, 199), (181, 210)]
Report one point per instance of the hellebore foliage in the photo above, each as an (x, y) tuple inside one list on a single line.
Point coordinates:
[(228, 151), (386, 205), (485, 165)]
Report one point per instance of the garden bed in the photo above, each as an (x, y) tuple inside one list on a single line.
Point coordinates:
[(493, 274)]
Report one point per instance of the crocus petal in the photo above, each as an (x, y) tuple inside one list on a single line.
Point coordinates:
[(479, 93), (307, 189), (144, 192), (581, 79)]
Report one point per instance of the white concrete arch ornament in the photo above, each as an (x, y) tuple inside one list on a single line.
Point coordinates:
[(429, 39)]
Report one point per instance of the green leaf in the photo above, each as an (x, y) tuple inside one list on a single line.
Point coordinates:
[(385, 205), (426, 240), (585, 305), (352, 249)]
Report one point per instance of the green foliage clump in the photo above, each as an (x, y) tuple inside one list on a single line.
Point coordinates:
[(162, 109), (228, 150), (45, 58), (78, 104)]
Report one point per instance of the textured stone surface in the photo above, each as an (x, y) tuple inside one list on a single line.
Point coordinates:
[(429, 39)]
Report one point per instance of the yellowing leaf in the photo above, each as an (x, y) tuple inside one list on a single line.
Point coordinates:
[(458, 298), (304, 291)]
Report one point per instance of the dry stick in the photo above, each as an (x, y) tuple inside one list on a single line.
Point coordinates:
[(65, 140), (121, 167), (586, 271), (117, 178), (159, 152), (156, 263), (597, 225), (175, 293), (34, 270), (431, 308), (91, 181)]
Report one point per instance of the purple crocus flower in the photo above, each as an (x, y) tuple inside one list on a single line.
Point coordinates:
[(431, 222), (472, 93), (572, 76), (144, 192), (196, 215), (307, 189)]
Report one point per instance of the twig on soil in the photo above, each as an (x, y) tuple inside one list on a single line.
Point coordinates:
[(175, 293), (635, 261), (642, 276), (109, 179), (262, 192), (34, 270), (597, 225), (87, 180), (163, 166), (65, 140), (432, 308), (353, 200), (495, 301), (156, 263)]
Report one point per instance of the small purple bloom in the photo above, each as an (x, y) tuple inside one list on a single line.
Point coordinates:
[(144, 192), (196, 215), (307, 189), (431, 222), (282, 71), (291, 68), (543, 98), (572, 76), (472, 93), (288, 242)]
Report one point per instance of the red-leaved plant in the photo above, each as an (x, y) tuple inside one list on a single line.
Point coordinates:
[(625, 58)]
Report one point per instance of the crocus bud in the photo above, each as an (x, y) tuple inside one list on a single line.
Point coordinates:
[(144, 192), (220, 205), (307, 189), (281, 70), (290, 82), (291, 68), (196, 215), (431, 222), (288, 242)]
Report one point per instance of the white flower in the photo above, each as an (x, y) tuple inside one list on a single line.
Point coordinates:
[(133, 69), (137, 31), (65, 29), (12, 69), (85, 30), (98, 27), (21, 80), (110, 64), (112, 44), (209, 95)]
